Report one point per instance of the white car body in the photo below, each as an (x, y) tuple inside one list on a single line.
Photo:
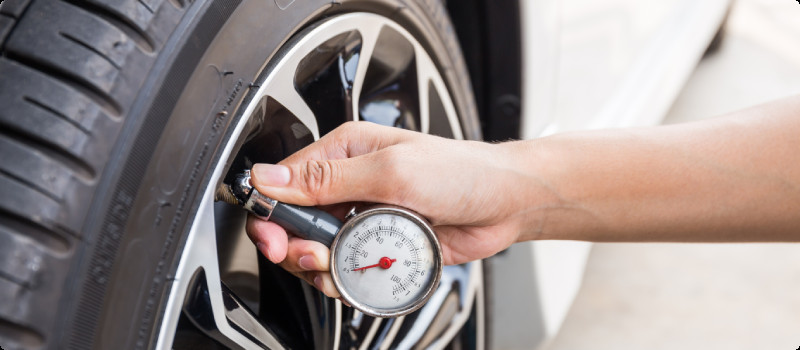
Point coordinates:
[(588, 65)]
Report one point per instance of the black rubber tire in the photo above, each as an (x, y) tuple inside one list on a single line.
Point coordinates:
[(111, 112)]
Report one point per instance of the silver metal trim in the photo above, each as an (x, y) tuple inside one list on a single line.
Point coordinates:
[(350, 214), (252, 200), (388, 338), (373, 329)]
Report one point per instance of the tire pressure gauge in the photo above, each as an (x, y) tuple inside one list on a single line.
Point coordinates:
[(385, 261)]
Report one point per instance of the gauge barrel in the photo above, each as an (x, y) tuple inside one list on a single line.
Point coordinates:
[(306, 222)]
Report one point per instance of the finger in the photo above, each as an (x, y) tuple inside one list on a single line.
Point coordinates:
[(347, 164), (329, 181), (322, 281), (304, 255), (270, 239), (463, 244)]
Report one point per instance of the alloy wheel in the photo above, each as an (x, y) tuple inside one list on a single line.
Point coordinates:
[(356, 66)]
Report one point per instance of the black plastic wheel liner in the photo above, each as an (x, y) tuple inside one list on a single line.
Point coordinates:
[(489, 32), (164, 78)]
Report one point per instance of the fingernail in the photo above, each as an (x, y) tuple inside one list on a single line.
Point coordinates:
[(307, 263), (272, 174), (318, 282), (264, 249)]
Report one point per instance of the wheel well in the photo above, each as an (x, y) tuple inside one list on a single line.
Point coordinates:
[(489, 34)]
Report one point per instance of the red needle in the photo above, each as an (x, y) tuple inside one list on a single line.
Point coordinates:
[(384, 263)]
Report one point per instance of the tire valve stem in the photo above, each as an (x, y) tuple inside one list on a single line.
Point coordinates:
[(224, 193)]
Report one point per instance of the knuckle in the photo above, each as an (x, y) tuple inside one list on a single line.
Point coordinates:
[(291, 268), (393, 163), (318, 176), (350, 128), (394, 170)]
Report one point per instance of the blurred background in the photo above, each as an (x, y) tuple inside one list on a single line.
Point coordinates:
[(721, 296)]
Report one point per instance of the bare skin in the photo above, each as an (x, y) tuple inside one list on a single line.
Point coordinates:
[(729, 179)]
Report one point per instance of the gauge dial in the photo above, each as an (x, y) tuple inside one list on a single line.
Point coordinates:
[(386, 261)]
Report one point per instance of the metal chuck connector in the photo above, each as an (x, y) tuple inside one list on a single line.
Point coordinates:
[(242, 193)]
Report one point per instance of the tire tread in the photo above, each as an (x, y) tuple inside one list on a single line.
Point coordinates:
[(70, 72), (47, 238), (120, 16)]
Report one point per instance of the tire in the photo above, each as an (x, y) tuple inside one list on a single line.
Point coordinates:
[(116, 117)]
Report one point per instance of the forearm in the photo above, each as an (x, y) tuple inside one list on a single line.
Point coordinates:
[(735, 178)]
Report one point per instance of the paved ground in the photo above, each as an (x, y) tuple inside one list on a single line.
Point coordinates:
[(701, 296)]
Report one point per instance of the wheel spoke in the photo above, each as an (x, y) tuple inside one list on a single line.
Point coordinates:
[(430, 82), (447, 310), (369, 39), (201, 307), (447, 103), (423, 86), (390, 330), (365, 326), (281, 88)]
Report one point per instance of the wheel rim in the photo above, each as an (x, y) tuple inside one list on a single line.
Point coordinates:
[(356, 66)]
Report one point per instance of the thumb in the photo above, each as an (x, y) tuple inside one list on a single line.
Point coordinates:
[(323, 182)]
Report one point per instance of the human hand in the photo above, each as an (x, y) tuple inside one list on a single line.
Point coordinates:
[(472, 192)]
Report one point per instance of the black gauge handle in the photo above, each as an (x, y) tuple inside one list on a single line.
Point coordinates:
[(306, 222)]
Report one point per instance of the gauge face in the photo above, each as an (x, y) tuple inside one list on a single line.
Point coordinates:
[(386, 262)]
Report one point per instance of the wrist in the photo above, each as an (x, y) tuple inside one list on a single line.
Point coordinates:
[(524, 188), (548, 207)]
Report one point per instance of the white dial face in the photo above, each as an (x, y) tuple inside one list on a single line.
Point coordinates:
[(385, 262)]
